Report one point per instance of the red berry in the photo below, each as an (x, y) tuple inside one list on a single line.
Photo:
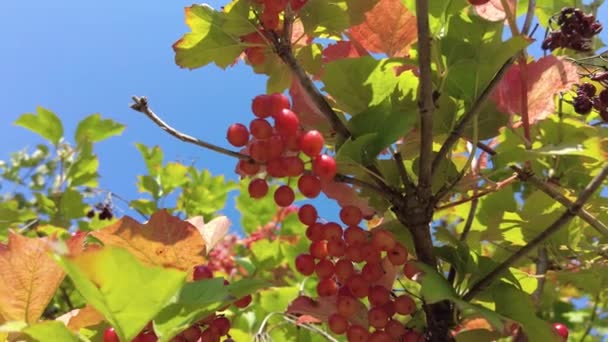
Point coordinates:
[(270, 20), (332, 231), (377, 317), (372, 271), (260, 106), (248, 168), (275, 6), (343, 269), (256, 55), (221, 325), (336, 247), (276, 147), (561, 330), (294, 166), (276, 168), (305, 264), (314, 232), (347, 306), (258, 188), (243, 302), (287, 123), (327, 287), (110, 335), (210, 335), (324, 268), (383, 239), (351, 215), (355, 236), (238, 135), (311, 143), (380, 336), (146, 337), (318, 249), (353, 253), (307, 214), (309, 186), (357, 333), (324, 166), (410, 270), (278, 102), (337, 324), (191, 334), (260, 129), (395, 329), (284, 196), (404, 305), (358, 286), (478, 2), (378, 295), (259, 150), (202, 272), (398, 255)]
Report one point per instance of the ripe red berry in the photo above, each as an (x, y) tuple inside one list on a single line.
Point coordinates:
[(110, 335), (355, 236), (309, 186), (314, 232), (258, 188), (259, 150), (248, 168), (353, 253), (372, 271), (305, 264), (238, 135), (357, 333), (378, 295), (351, 215), (146, 337), (260, 106), (336, 247), (260, 128), (327, 287), (343, 269), (398, 255), (294, 166), (243, 302), (404, 305), (193, 333), (358, 286), (276, 168), (395, 329), (410, 270), (377, 317), (275, 6), (332, 231), (202, 272), (221, 325), (324, 268), (278, 102), (478, 2), (318, 249), (324, 166), (347, 306), (383, 239), (311, 143), (337, 324), (307, 214), (561, 330), (284, 196), (287, 123)]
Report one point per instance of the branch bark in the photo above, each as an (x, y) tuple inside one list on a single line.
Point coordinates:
[(553, 228)]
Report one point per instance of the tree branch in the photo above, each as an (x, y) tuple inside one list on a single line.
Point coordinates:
[(553, 228), (465, 232), (426, 103), (354, 181), (140, 104), (405, 178), (599, 226), (468, 116)]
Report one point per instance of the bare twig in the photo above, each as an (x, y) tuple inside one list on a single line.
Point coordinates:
[(465, 232), (529, 17), (358, 182), (496, 187), (426, 103), (405, 178), (553, 228), (140, 104), (542, 264)]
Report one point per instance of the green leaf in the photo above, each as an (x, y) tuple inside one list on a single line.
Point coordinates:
[(204, 194), (153, 156), (172, 176), (254, 212), (84, 170), (477, 335), (71, 205), (208, 42), (93, 129), (44, 330), (239, 18), (145, 206), (128, 293), (44, 122)]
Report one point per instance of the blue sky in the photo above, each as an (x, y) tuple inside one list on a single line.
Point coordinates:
[(78, 58)]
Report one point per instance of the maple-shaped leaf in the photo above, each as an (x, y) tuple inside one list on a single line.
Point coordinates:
[(388, 28), (545, 78), (346, 195), (341, 49), (493, 10), (164, 240), (29, 278), (213, 231), (323, 307), (310, 115)]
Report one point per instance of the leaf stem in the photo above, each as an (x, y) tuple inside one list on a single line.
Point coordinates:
[(572, 211)]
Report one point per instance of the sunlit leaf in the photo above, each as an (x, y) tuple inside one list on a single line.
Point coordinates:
[(93, 129), (44, 122)]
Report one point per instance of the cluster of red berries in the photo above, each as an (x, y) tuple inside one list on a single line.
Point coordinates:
[(208, 329), (275, 150), (350, 265), (576, 29), (104, 211), (587, 99)]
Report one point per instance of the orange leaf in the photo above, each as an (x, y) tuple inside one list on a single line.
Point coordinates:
[(388, 28), (81, 318), (29, 278), (546, 77), (164, 240), (493, 10), (339, 50)]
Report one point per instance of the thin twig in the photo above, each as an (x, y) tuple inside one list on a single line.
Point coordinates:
[(529, 17), (542, 264), (358, 182), (592, 317), (405, 178), (426, 103), (599, 226), (498, 186), (140, 104), (468, 116), (465, 232), (543, 236)]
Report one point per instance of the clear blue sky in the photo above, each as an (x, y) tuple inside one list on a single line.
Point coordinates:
[(81, 57)]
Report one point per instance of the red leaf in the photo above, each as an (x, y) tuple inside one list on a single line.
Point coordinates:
[(310, 116), (346, 195), (493, 10), (546, 77), (339, 50), (388, 28)]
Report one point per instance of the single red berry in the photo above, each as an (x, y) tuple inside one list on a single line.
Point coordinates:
[(287, 123), (294, 166), (395, 329), (305, 264), (351, 215), (193, 333), (284, 196), (347, 306), (324, 166), (398, 255), (275, 147), (561, 330), (258, 188), (410, 270), (307, 214), (358, 286), (276, 168), (377, 317), (354, 235), (311, 143), (383, 239), (110, 335), (309, 186), (372, 271), (337, 324), (332, 231), (324, 268), (357, 333), (278, 102), (146, 337), (260, 106), (221, 325), (343, 269), (314, 232), (238, 135), (259, 150), (404, 305), (336, 247), (378, 295), (478, 2), (318, 249), (248, 167), (327, 287), (243, 302), (260, 129), (202, 272), (255, 55)]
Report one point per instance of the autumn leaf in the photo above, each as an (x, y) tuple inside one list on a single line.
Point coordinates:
[(213, 231), (164, 240), (339, 50), (545, 78), (346, 195), (323, 307), (29, 278), (310, 115), (388, 28), (493, 10)]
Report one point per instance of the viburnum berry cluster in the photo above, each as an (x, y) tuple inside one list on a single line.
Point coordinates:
[(276, 151), (588, 98), (104, 211), (353, 264), (576, 30)]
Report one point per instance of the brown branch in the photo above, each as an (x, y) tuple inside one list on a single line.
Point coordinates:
[(140, 104), (405, 178), (360, 183), (426, 103), (542, 237), (468, 116), (542, 265), (599, 226), (479, 194)]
